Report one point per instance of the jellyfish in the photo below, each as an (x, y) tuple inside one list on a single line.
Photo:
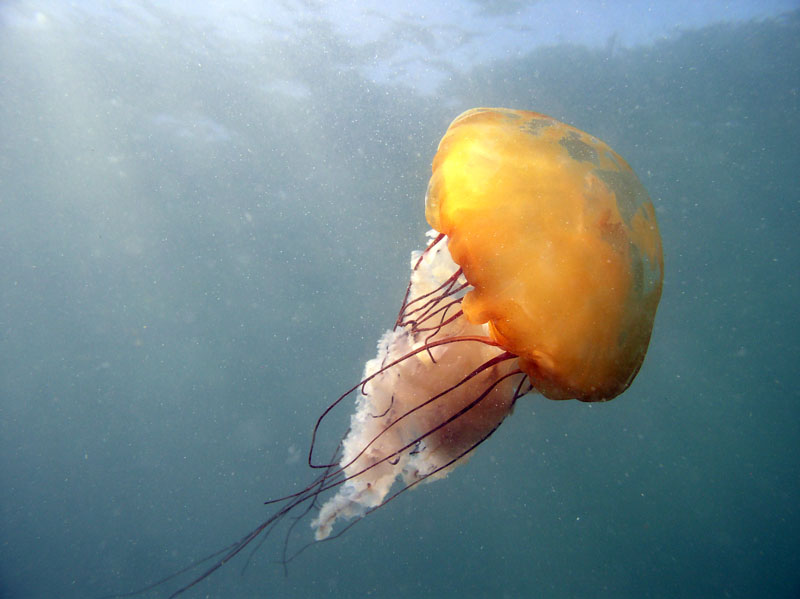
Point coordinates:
[(542, 273)]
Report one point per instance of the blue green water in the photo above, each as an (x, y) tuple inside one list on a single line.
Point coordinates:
[(202, 242)]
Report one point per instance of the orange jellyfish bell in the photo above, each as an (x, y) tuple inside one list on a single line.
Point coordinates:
[(558, 239), (544, 273)]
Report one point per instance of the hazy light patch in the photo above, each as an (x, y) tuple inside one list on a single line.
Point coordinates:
[(416, 43)]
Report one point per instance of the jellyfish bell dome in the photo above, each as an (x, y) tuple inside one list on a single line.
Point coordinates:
[(559, 242)]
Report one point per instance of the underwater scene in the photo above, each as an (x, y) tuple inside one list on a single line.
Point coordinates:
[(399, 299)]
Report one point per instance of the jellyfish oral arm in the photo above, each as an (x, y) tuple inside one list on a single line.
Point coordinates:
[(437, 388)]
